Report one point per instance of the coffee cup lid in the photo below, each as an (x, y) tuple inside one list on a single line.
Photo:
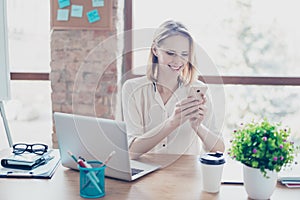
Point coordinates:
[(213, 158)]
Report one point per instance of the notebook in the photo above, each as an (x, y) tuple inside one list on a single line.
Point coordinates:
[(44, 170), (94, 139), (26, 160), (290, 175)]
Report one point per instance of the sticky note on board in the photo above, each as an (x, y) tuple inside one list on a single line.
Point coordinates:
[(63, 3), (93, 16), (98, 3), (76, 11), (62, 15)]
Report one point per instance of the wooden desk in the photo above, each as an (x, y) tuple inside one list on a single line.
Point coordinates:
[(179, 179)]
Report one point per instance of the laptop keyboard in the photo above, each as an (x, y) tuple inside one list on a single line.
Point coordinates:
[(135, 171)]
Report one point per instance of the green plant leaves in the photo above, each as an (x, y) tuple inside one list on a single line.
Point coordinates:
[(262, 145)]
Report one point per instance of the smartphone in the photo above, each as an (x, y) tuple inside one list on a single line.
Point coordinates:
[(197, 90)]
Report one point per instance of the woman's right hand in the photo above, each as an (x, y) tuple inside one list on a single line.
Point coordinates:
[(184, 110)]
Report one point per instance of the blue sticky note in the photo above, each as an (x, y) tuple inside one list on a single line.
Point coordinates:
[(76, 11), (62, 15), (93, 16), (98, 3), (63, 3)]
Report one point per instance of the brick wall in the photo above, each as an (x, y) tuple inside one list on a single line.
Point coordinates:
[(84, 71)]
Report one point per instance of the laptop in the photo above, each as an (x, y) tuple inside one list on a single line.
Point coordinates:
[(94, 139)]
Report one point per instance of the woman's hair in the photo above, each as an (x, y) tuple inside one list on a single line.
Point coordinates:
[(165, 30)]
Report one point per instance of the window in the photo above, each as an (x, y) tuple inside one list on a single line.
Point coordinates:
[(29, 35), (252, 42), (29, 111), (240, 36)]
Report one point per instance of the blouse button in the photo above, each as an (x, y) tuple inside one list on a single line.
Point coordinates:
[(164, 145)]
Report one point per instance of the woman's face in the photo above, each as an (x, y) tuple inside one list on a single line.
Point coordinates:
[(173, 54)]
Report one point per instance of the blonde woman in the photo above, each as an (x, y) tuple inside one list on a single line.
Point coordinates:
[(159, 113)]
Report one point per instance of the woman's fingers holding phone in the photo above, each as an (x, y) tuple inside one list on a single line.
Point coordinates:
[(204, 99), (187, 101), (197, 118), (184, 109), (189, 109), (196, 111)]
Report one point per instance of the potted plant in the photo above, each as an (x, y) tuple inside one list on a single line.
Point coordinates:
[(263, 148)]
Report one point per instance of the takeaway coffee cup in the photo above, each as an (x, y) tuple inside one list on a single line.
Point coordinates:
[(212, 167)]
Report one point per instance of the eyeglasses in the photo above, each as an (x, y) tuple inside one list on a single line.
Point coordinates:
[(20, 148)]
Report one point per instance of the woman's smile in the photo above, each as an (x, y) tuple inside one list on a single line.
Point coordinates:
[(176, 68)]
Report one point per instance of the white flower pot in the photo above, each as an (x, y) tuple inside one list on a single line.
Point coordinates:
[(258, 186)]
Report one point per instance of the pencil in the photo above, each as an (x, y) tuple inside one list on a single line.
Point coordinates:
[(72, 155), (107, 159)]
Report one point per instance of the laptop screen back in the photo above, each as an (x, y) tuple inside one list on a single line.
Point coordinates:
[(93, 139)]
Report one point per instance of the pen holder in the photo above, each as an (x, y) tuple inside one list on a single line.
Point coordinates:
[(92, 182)]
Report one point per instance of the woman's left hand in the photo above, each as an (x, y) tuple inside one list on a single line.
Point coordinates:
[(196, 121)]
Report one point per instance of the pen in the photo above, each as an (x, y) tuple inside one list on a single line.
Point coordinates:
[(108, 158), (74, 158), (84, 164), (80, 161), (103, 164), (17, 174), (91, 176), (81, 158)]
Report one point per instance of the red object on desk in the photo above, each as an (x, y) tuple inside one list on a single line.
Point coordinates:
[(81, 163)]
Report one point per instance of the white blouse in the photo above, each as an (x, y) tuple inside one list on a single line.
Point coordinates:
[(144, 110)]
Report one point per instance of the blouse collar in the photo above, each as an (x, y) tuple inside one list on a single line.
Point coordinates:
[(180, 84)]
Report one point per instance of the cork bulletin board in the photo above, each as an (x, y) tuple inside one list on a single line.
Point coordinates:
[(81, 14)]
